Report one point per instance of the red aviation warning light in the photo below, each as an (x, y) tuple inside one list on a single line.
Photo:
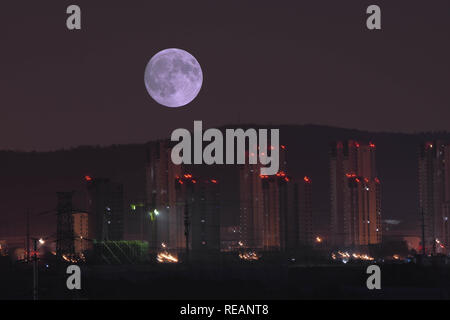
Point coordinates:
[(281, 174)]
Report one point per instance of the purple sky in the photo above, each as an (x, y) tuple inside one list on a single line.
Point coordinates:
[(263, 61)]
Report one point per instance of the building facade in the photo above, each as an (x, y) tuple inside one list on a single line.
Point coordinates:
[(106, 209), (355, 195), (434, 194), (251, 209), (82, 238), (64, 224), (161, 176), (276, 210), (183, 203), (198, 214)]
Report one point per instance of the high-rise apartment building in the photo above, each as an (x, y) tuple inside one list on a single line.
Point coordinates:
[(106, 207), (434, 194), (355, 195), (82, 241), (182, 202), (303, 189), (198, 214), (251, 210), (161, 176), (64, 224), (276, 210)]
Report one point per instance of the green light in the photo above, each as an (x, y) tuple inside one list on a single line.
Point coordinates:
[(133, 207), (153, 214)]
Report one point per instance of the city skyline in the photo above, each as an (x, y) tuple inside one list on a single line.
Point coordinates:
[(175, 216), (390, 173)]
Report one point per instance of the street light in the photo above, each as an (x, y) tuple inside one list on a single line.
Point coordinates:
[(153, 214), (35, 265)]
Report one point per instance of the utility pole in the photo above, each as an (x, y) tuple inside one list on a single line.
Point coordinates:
[(423, 232), (368, 216), (154, 228), (142, 218), (28, 236), (35, 270), (186, 228)]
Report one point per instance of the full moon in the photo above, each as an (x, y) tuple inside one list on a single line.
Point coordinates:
[(173, 77)]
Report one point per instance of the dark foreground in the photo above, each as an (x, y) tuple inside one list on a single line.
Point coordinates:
[(238, 281)]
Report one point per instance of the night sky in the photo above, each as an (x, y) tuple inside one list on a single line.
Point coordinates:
[(263, 61)]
